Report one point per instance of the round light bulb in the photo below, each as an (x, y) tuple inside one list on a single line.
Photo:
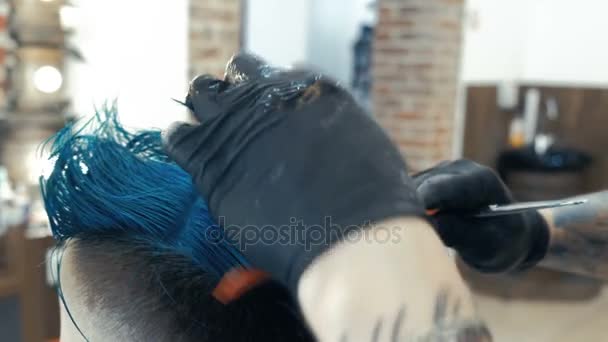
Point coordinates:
[(48, 79)]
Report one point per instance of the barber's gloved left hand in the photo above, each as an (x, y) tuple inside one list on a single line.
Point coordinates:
[(277, 151), (494, 244)]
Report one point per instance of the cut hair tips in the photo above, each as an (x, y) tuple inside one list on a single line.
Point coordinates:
[(107, 181)]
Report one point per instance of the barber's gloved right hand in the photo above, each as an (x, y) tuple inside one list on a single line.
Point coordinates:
[(494, 244), (288, 163)]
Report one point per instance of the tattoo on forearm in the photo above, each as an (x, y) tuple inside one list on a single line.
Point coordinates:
[(456, 309), (397, 325), (376, 332), (579, 239), (447, 325), (441, 307), (451, 328)]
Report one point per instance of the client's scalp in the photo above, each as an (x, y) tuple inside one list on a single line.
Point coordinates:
[(143, 293), (143, 246), (150, 295)]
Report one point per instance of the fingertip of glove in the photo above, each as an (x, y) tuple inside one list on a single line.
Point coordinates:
[(431, 189), (171, 136), (201, 82), (245, 66)]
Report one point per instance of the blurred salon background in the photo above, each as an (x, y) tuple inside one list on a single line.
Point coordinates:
[(520, 85)]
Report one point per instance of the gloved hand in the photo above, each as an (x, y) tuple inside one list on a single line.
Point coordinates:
[(494, 244), (288, 163)]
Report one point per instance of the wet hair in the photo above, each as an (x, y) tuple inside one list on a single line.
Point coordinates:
[(144, 245)]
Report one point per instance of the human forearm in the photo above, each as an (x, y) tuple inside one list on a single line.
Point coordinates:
[(402, 275), (579, 237)]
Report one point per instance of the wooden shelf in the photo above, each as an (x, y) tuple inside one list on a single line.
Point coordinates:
[(33, 119), (24, 277), (9, 285)]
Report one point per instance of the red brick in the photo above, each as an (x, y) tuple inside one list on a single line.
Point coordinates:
[(410, 10), (409, 115), (392, 50), (208, 53), (450, 24), (415, 77), (384, 35), (401, 23), (419, 144), (214, 34), (384, 13)]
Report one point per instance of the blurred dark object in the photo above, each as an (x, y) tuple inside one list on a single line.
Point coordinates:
[(555, 159), (576, 164), (23, 277), (538, 186), (557, 173), (362, 80), (581, 125)]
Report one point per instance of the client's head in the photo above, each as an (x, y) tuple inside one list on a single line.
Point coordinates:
[(139, 255)]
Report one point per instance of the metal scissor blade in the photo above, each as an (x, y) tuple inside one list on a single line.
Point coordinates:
[(515, 208)]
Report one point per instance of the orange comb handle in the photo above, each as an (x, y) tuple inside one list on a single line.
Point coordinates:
[(237, 282), (432, 212)]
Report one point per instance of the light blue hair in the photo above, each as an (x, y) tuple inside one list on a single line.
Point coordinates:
[(108, 181)]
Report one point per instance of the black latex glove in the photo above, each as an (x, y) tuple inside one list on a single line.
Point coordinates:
[(494, 244), (275, 148)]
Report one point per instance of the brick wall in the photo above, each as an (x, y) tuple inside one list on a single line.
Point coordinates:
[(215, 27), (415, 75)]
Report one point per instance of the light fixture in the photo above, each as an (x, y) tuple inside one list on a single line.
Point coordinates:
[(48, 79), (69, 17)]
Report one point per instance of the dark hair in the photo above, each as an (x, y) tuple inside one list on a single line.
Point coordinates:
[(143, 241)]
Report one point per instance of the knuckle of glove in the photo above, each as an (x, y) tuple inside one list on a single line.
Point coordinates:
[(501, 244)]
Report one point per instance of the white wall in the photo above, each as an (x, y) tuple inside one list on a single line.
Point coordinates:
[(334, 29), (494, 40), (136, 51), (568, 41), (550, 41), (317, 33), (278, 30)]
